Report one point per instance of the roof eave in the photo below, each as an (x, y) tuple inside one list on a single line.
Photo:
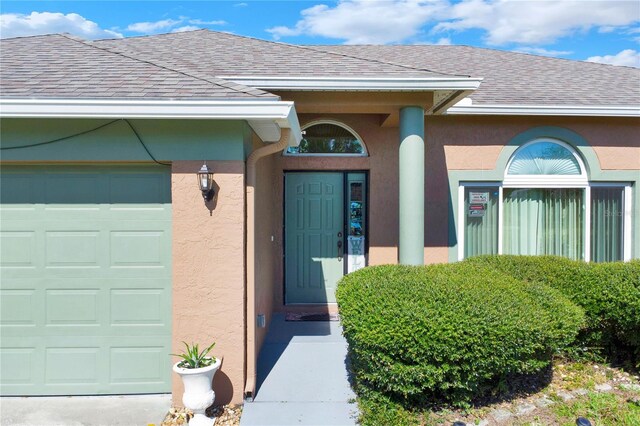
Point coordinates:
[(547, 110), (357, 83), (266, 117)]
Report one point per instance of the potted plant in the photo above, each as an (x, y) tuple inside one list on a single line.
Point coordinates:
[(196, 370)]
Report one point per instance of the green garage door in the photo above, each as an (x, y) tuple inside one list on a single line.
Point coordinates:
[(85, 280)]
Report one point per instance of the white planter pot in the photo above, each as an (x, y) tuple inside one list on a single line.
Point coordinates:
[(198, 395)]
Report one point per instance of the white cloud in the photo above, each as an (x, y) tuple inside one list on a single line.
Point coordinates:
[(544, 52), (627, 57), (172, 25), (365, 22), (531, 22), (538, 22), (185, 28), (444, 41), (150, 27), (606, 29), (201, 22), (240, 5), (18, 25)]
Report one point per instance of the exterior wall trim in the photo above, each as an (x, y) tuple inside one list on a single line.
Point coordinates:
[(357, 83), (259, 114), (553, 110)]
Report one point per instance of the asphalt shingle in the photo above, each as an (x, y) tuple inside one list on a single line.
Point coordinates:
[(512, 78), (60, 66), (189, 66), (211, 54)]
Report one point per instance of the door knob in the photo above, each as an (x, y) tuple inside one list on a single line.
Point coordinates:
[(339, 250)]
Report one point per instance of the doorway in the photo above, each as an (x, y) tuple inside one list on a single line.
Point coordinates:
[(325, 225)]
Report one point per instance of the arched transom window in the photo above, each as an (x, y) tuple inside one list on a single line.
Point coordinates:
[(328, 138), (545, 163)]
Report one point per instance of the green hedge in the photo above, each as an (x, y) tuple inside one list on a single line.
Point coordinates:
[(446, 331), (608, 292)]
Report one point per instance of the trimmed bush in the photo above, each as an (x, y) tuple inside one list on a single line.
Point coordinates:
[(446, 331), (608, 292)]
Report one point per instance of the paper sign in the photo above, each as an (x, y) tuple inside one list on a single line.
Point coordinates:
[(477, 210), (355, 253), (478, 197)]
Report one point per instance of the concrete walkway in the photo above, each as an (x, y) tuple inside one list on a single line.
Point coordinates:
[(129, 410), (302, 377)]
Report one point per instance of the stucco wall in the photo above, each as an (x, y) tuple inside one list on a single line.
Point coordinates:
[(208, 271), (474, 143), (267, 238), (451, 143)]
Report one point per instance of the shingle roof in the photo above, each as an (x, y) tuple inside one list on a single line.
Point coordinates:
[(515, 78), (59, 66), (188, 66), (208, 53)]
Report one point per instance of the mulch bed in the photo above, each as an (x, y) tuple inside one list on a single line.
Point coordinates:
[(227, 415)]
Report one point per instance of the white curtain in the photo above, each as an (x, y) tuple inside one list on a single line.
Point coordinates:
[(607, 216), (481, 231), (544, 221)]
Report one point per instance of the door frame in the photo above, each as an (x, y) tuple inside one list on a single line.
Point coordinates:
[(345, 198)]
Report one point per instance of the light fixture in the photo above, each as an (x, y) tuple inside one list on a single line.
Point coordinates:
[(205, 181)]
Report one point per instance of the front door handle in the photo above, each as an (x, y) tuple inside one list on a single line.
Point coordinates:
[(339, 250)]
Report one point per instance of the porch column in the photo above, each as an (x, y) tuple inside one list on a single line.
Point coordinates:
[(411, 244)]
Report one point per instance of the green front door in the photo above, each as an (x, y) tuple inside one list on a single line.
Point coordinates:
[(85, 280), (314, 236)]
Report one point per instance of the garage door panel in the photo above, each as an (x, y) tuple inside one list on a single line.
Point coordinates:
[(72, 365), (138, 307), (137, 364), (85, 280), (18, 365), (18, 307), (18, 249), (73, 249), (137, 249)]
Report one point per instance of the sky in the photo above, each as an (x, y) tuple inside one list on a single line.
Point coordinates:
[(606, 31)]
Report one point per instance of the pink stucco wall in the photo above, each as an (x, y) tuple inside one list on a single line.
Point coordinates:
[(268, 242), (208, 271), (209, 260), (451, 143), (475, 142)]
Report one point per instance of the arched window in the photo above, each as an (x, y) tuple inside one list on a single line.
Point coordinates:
[(546, 205), (328, 138), (546, 163)]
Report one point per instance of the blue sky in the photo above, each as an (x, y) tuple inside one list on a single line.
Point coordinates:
[(598, 30)]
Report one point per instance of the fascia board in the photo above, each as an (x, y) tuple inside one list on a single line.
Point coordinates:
[(551, 110), (281, 113), (356, 84), (99, 108)]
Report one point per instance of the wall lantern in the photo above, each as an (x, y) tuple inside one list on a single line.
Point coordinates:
[(205, 181)]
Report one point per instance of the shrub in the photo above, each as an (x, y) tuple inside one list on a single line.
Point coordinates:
[(608, 292), (446, 331)]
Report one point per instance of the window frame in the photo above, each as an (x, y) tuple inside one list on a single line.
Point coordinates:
[(365, 151), (626, 207), (546, 182)]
